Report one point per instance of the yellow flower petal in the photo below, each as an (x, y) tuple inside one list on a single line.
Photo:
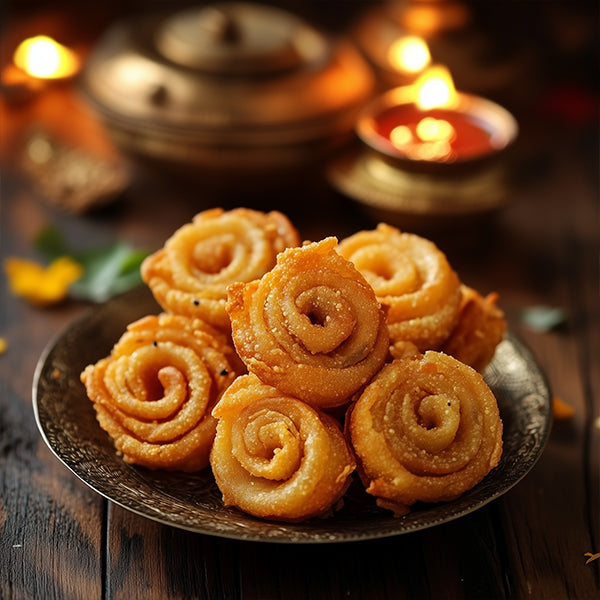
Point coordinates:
[(3, 345), (42, 285)]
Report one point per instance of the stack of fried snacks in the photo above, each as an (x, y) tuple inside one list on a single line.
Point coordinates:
[(154, 393), (311, 327), (360, 355), (412, 277), (427, 428), (190, 274), (275, 456)]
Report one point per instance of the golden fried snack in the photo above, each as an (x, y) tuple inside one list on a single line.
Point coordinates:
[(481, 327), (401, 349), (426, 429), (311, 326), (154, 393), (190, 274), (412, 277), (275, 456)]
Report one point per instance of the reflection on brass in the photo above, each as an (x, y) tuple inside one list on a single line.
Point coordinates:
[(238, 38), (233, 84)]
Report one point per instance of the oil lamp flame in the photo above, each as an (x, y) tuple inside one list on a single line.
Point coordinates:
[(435, 89), (409, 54), (429, 138), (45, 58)]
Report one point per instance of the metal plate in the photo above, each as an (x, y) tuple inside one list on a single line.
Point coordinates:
[(68, 425)]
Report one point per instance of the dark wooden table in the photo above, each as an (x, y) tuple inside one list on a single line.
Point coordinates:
[(60, 540)]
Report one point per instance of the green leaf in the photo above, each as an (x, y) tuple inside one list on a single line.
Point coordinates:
[(108, 271)]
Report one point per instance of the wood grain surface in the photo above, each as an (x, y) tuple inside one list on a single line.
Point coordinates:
[(59, 540)]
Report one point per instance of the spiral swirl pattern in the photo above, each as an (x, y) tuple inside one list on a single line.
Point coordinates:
[(154, 393), (426, 429), (413, 278), (190, 274), (275, 456), (311, 327)]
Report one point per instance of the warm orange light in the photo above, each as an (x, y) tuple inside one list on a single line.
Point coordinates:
[(423, 19), (409, 54), (430, 139), (401, 136), (44, 58), (433, 17), (430, 129), (435, 88)]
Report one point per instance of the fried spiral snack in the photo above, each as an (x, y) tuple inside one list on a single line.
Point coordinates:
[(481, 327), (154, 393), (426, 429), (190, 274), (412, 277), (311, 326), (275, 456)]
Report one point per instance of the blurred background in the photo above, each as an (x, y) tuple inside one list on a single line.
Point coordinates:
[(536, 59)]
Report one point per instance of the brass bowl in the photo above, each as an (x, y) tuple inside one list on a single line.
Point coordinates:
[(497, 125), (230, 85), (427, 196)]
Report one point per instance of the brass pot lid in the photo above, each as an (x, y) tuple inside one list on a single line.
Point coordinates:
[(229, 73), (239, 38)]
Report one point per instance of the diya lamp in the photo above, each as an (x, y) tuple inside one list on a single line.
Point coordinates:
[(480, 61), (395, 36), (45, 58), (68, 175), (37, 61), (430, 123), (428, 155), (233, 87)]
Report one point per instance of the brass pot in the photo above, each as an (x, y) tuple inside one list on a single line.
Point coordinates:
[(227, 85)]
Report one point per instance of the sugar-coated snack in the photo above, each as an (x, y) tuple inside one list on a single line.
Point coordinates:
[(275, 456), (413, 278), (189, 275), (427, 428), (311, 326), (154, 393), (480, 328)]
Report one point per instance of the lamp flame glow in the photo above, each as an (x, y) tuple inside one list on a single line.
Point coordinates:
[(430, 138), (44, 58), (409, 54), (435, 88)]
